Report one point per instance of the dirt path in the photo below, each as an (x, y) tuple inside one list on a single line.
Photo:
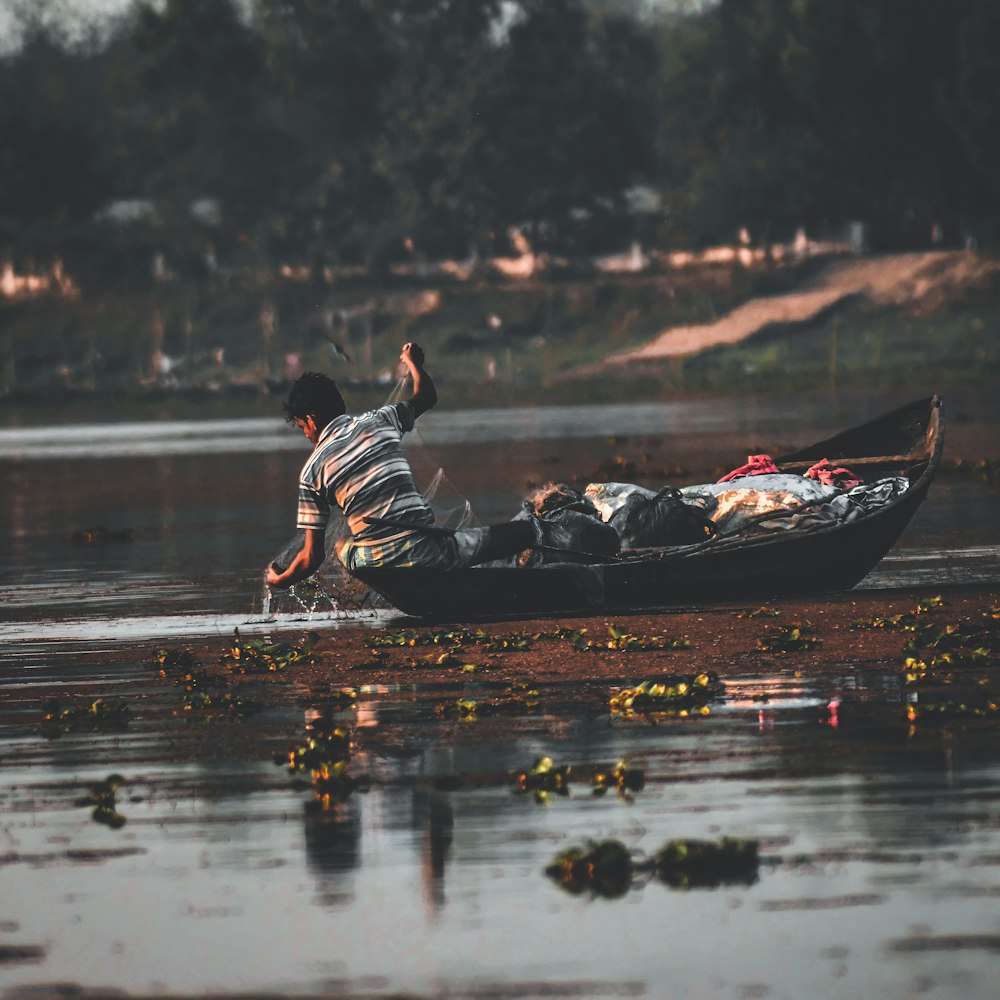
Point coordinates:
[(909, 279)]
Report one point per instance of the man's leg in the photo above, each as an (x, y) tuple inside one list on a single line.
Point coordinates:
[(507, 539)]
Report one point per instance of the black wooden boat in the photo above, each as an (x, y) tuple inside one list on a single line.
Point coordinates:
[(906, 442)]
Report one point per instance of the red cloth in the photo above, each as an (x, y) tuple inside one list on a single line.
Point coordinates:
[(842, 479), (757, 465)]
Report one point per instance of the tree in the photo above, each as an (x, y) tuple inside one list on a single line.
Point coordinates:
[(53, 172), (567, 129), (330, 64), (199, 118)]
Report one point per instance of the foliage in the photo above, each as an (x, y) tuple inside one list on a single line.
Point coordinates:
[(453, 638), (369, 131), (783, 113), (603, 869), (908, 620), (622, 641), (705, 864), (175, 661), (787, 639), (680, 695), (951, 670), (544, 778), (520, 698), (325, 756), (261, 656), (624, 779), (103, 797), (607, 869), (208, 695), (100, 715)]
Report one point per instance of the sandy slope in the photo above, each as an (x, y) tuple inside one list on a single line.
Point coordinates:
[(910, 279)]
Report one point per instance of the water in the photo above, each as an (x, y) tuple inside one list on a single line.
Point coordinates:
[(207, 505), (879, 844), (438, 428), (877, 873)]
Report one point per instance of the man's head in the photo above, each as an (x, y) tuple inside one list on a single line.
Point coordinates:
[(313, 402)]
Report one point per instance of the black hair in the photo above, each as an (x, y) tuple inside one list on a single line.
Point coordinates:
[(314, 395)]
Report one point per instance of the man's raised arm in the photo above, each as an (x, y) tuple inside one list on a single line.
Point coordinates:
[(424, 394)]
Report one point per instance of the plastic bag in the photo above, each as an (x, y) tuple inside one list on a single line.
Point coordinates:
[(665, 518)]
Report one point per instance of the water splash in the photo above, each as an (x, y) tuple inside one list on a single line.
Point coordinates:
[(311, 595)]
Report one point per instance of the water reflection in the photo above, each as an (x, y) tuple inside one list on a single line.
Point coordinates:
[(333, 848), (870, 837)]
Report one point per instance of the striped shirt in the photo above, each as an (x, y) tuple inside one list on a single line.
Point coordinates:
[(358, 465)]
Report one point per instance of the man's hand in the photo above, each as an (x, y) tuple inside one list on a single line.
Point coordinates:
[(412, 355), (306, 561)]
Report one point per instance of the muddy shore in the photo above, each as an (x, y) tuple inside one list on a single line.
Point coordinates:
[(852, 632)]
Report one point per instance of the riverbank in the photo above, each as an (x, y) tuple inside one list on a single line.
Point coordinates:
[(837, 635), (915, 323)]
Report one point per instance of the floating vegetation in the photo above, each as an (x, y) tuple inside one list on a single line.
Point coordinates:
[(171, 662), (338, 699), (100, 715), (103, 797), (261, 656), (325, 756), (763, 612), (955, 636), (624, 779), (446, 659), (545, 779), (951, 673), (459, 708), (943, 709), (607, 869), (604, 869), (323, 749), (680, 695), (707, 864), (520, 699), (787, 639), (619, 639), (211, 701), (907, 621), (454, 638)]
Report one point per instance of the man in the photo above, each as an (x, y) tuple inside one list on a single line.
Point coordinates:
[(358, 465)]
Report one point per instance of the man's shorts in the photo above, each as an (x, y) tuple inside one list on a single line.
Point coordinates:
[(418, 548)]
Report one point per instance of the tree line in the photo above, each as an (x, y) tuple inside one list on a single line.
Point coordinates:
[(363, 131)]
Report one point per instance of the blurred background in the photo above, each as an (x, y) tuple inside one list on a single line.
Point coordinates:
[(200, 199)]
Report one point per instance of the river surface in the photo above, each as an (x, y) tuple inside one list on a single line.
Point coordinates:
[(879, 863)]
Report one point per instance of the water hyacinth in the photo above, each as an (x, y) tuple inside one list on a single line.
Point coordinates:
[(623, 641), (103, 797), (680, 695), (608, 870), (603, 869), (624, 779), (257, 656), (787, 639), (951, 672), (706, 864), (544, 778), (100, 715)]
